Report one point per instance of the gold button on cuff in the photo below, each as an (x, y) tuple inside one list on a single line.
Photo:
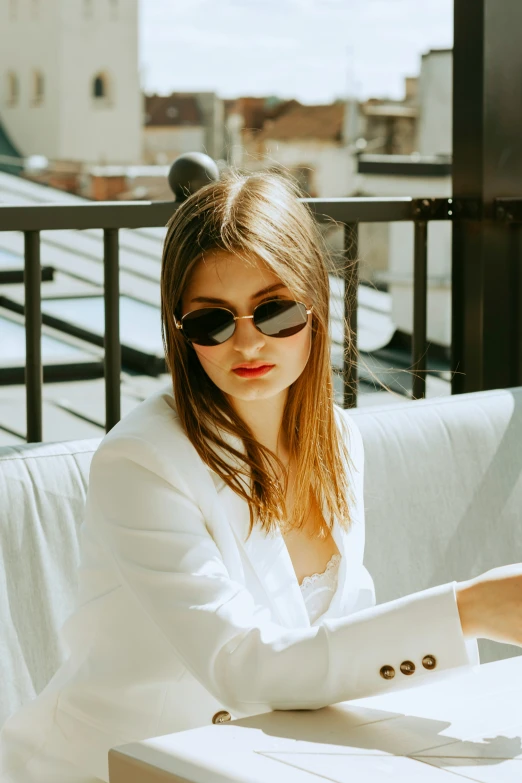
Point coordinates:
[(407, 667), (387, 672), (221, 717), (429, 661)]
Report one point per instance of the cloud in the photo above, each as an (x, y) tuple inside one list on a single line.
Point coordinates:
[(306, 48), (193, 35)]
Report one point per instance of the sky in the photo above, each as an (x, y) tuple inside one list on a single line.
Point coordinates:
[(312, 50)]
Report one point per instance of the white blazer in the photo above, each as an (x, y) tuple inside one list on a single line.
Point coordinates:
[(179, 618)]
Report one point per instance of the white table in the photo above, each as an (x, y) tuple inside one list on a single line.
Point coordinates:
[(468, 727)]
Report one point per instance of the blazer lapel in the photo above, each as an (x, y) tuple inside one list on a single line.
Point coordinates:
[(268, 557), (355, 586)]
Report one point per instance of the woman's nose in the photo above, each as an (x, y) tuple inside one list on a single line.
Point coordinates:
[(246, 337)]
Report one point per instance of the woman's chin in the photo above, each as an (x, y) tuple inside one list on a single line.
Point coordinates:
[(252, 390)]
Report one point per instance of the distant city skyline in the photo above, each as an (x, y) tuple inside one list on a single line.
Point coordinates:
[(312, 50)]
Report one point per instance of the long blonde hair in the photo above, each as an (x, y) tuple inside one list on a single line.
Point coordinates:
[(259, 216)]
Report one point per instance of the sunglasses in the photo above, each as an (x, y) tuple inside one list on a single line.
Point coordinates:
[(215, 325)]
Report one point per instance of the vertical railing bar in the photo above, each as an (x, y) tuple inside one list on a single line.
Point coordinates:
[(420, 309), (112, 359), (516, 260), (33, 336), (458, 312), (351, 284)]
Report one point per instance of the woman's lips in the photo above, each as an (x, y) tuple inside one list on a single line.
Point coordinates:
[(256, 372)]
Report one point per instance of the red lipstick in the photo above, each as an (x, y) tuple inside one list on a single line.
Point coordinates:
[(254, 370)]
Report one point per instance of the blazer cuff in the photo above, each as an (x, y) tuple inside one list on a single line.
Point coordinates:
[(411, 641)]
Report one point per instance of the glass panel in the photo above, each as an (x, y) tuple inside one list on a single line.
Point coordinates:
[(140, 324), (12, 346)]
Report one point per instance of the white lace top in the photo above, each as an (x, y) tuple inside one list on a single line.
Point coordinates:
[(318, 589)]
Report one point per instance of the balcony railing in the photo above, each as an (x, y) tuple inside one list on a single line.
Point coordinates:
[(111, 217)]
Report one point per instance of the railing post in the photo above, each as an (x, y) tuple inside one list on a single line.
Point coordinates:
[(487, 164), (420, 308), (33, 337), (351, 284), (517, 242), (112, 344)]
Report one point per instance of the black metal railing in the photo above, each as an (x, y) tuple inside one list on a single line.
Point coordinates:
[(110, 217), (350, 212)]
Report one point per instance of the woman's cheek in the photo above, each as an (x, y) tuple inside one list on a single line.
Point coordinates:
[(211, 358), (299, 347)]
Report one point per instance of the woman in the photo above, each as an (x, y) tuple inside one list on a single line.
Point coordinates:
[(222, 548)]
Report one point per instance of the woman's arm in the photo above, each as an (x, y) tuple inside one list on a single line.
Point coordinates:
[(490, 606)]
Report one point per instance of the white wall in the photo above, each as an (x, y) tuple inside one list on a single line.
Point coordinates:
[(400, 255), (435, 103), (439, 279), (92, 130), (163, 144), (212, 109), (233, 140), (333, 167), (29, 41), (70, 46)]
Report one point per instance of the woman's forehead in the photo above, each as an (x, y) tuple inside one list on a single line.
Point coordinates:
[(223, 270)]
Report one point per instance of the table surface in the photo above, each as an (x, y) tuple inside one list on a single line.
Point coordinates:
[(467, 727)]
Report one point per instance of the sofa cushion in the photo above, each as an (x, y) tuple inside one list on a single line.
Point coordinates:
[(443, 492), (42, 491)]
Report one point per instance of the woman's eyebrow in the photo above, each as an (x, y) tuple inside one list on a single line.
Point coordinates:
[(263, 291)]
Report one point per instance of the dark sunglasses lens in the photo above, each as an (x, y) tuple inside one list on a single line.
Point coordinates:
[(280, 318), (208, 326)]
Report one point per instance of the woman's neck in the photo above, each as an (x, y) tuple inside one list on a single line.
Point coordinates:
[(264, 418)]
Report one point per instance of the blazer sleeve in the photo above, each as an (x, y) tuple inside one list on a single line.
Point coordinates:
[(155, 531)]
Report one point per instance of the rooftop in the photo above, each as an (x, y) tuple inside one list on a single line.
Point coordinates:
[(323, 122), (175, 110), (389, 110)]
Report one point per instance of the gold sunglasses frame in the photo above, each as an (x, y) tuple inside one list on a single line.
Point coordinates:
[(179, 324)]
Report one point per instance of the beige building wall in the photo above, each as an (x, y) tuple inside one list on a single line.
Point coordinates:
[(332, 168), (373, 248), (161, 145), (435, 103), (69, 43), (28, 43), (400, 255)]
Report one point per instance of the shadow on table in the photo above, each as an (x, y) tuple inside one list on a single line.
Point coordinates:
[(367, 731)]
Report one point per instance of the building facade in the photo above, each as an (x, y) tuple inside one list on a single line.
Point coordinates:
[(435, 103), (182, 122), (307, 141), (69, 86)]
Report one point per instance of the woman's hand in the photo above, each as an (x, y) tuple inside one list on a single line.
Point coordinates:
[(490, 606)]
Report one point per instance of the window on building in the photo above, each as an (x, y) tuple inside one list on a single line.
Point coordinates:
[(38, 87), (102, 89), (99, 86), (114, 8), (13, 89), (35, 8), (88, 9), (13, 9)]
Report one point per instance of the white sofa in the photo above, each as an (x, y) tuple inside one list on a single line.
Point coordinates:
[(443, 495)]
